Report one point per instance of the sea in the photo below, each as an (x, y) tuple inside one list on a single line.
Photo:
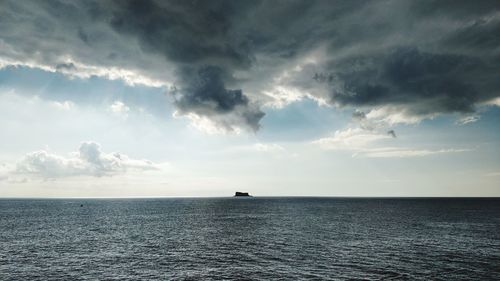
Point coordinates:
[(273, 238)]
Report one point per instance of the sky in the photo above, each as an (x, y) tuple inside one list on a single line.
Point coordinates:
[(277, 98)]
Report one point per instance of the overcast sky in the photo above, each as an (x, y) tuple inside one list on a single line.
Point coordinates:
[(204, 98)]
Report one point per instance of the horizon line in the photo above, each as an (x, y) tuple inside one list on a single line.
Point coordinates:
[(252, 196)]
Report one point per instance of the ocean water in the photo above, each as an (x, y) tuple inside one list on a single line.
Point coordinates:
[(250, 239)]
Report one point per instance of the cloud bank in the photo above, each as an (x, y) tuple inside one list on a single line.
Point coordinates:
[(89, 160), (374, 144), (224, 61)]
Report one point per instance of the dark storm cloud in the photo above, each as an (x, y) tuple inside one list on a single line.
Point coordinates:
[(420, 57), (479, 35), (392, 133), (204, 93), (65, 66), (358, 115), (186, 32), (205, 89), (424, 82)]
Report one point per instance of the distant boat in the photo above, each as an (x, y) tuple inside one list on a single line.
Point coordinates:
[(242, 194)]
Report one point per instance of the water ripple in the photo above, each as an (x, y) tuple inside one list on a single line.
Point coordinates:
[(255, 239)]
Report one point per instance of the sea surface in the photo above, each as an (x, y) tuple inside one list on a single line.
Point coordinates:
[(250, 239)]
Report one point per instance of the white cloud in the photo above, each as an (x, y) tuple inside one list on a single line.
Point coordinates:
[(89, 160), (367, 143), (201, 123), (495, 101), (260, 149), (268, 147), (9, 56), (282, 96), (65, 105), (468, 119), (120, 108), (392, 115), (350, 139), (403, 152), (216, 125)]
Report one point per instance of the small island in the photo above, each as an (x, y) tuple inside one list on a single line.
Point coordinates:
[(242, 194)]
